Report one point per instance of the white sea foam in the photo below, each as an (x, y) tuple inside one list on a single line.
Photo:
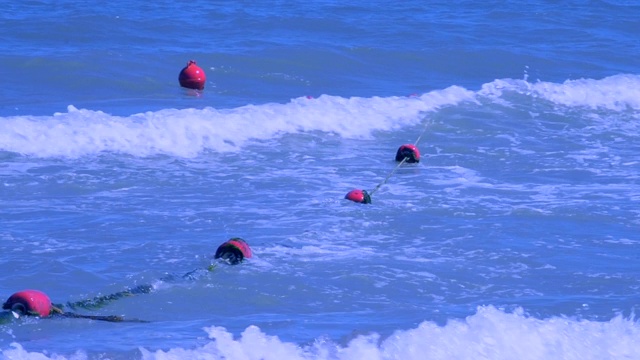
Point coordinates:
[(187, 132), (618, 93), (489, 334)]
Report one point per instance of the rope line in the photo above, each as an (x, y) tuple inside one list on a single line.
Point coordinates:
[(37, 303), (401, 162), (104, 300), (388, 176), (424, 131), (110, 318), (101, 301), (420, 137)]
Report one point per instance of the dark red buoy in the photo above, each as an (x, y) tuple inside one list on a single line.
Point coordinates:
[(359, 196), (233, 251), (192, 76), (408, 151), (29, 302)]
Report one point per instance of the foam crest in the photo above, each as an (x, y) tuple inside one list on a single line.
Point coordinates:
[(188, 132), (16, 351), (489, 334), (616, 93)]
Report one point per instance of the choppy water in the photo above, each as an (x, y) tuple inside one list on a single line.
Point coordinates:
[(514, 237)]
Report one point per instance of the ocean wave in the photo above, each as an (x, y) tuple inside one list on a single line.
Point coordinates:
[(491, 333), (618, 93), (189, 132)]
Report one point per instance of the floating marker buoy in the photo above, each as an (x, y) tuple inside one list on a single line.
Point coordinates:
[(233, 251), (192, 76), (29, 302), (408, 151), (359, 196)]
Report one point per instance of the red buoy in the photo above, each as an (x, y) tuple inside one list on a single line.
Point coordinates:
[(233, 251), (29, 302), (359, 196), (192, 76), (409, 152)]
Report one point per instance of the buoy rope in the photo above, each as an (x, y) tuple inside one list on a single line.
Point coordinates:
[(110, 318), (420, 137), (103, 300), (388, 176), (401, 162)]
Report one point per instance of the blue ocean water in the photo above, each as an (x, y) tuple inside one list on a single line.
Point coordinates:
[(515, 237)]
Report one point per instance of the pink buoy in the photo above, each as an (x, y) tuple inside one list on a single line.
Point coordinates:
[(409, 152), (359, 196), (192, 76), (29, 302), (233, 251)]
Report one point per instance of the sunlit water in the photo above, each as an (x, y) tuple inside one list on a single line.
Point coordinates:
[(514, 237)]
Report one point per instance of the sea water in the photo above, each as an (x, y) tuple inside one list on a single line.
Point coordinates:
[(514, 237)]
